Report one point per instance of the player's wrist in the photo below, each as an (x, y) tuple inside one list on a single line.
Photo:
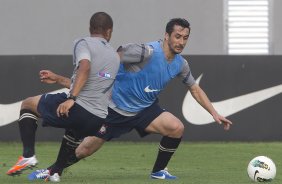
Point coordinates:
[(71, 97)]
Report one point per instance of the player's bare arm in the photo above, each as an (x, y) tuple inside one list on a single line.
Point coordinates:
[(80, 80), (200, 96), (50, 77)]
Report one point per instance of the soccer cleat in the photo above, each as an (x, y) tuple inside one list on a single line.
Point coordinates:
[(53, 178), (44, 174), (39, 174), (163, 175), (22, 164)]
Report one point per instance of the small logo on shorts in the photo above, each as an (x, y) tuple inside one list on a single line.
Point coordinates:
[(103, 129)]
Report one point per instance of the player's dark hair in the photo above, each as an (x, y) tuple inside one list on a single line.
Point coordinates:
[(176, 21), (100, 22)]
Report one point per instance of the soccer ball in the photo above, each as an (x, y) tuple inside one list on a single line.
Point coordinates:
[(261, 169)]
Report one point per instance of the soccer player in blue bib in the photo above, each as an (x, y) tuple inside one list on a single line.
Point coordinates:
[(145, 72)]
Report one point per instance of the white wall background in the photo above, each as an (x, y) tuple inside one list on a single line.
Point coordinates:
[(50, 26), (277, 27)]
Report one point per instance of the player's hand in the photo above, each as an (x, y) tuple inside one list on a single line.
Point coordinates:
[(222, 120), (47, 76), (63, 108)]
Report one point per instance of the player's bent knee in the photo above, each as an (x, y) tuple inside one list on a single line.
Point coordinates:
[(180, 129), (30, 103), (177, 130), (26, 103)]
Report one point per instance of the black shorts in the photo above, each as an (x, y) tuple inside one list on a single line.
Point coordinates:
[(81, 121), (117, 124)]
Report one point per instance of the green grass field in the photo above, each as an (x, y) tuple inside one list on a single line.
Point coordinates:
[(131, 163)]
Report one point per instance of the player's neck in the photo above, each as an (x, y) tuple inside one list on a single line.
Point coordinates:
[(168, 54), (98, 35)]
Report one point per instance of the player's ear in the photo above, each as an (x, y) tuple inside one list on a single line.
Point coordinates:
[(166, 36), (109, 34)]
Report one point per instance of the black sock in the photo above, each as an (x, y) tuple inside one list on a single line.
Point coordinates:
[(167, 147), (66, 156), (28, 125)]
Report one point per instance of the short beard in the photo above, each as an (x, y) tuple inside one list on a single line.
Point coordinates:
[(172, 50)]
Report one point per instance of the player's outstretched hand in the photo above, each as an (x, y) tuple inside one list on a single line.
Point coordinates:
[(222, 120), (47, 76)]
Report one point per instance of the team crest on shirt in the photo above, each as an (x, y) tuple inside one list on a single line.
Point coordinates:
[(103, 129), (104, 74)]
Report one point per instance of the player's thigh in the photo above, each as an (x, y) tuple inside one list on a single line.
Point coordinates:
[(166, 124), (31, 103)]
